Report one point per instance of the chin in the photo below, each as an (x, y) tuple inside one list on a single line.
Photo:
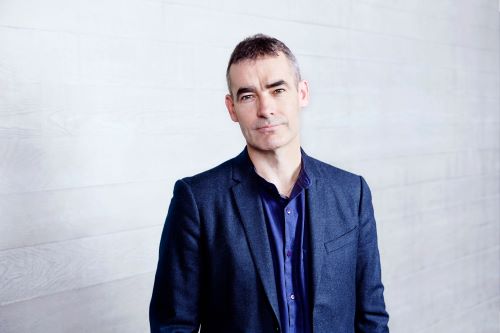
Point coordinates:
[(269, 146), (270, 143)]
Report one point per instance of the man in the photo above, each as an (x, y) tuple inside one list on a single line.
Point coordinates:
[(271, 240)]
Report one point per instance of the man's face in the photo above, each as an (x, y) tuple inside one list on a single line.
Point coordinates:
[(266, 100)]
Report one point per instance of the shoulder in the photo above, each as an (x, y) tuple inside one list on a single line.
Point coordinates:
[(327, 172), (338, 180), (212, 179), (349, 189)]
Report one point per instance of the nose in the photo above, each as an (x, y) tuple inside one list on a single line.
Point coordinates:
[(266, 107)]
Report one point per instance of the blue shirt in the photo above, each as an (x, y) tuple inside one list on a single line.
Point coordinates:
[(288, 237)]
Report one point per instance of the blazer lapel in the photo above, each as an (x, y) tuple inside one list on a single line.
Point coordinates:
[(247, 199), (318, 218)]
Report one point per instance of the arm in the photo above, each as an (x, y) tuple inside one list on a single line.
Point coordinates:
[(371, 315), (174, 305)]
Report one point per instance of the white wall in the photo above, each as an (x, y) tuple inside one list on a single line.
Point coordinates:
[(103, 104)]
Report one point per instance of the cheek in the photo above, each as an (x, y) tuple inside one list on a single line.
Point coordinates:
[(246, 124), (245, 121), (294, 119), (247, 117)]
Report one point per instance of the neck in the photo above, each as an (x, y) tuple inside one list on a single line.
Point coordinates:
[(280, 167)]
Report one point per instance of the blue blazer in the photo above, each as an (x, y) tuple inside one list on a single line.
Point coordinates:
[(215, 266)]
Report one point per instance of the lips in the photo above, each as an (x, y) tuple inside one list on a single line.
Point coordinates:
[(268, 128)]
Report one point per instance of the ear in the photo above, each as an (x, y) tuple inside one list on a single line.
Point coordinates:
[(230, 107), (303, 90)]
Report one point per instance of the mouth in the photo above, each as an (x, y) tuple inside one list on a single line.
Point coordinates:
[(268, 128)]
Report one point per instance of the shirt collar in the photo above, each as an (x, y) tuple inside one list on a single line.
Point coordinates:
[(303, 182)]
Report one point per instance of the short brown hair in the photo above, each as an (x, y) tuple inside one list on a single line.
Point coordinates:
[(257, 46)]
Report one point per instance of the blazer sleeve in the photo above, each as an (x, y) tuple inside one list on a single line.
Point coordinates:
[(174, 306), (371, 316)]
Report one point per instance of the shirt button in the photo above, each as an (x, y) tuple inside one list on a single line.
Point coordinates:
[(288, 211), (288, 253), (292, 296)]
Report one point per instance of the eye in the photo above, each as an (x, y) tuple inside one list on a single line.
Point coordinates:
[(279, 91), (246, 98)]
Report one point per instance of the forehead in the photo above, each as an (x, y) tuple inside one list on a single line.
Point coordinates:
[(261, 69)]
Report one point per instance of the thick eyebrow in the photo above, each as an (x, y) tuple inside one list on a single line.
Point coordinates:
[(276, 84), (244, 90), (251, 89)]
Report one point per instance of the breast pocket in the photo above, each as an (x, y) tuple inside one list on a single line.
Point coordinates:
[(348, 238)]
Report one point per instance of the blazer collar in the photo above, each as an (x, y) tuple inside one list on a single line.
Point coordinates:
[(243, 168)]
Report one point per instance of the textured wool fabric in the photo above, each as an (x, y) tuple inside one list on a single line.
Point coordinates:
[(215, 266)]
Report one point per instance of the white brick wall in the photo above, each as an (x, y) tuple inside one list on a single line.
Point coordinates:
[(103, 104)]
